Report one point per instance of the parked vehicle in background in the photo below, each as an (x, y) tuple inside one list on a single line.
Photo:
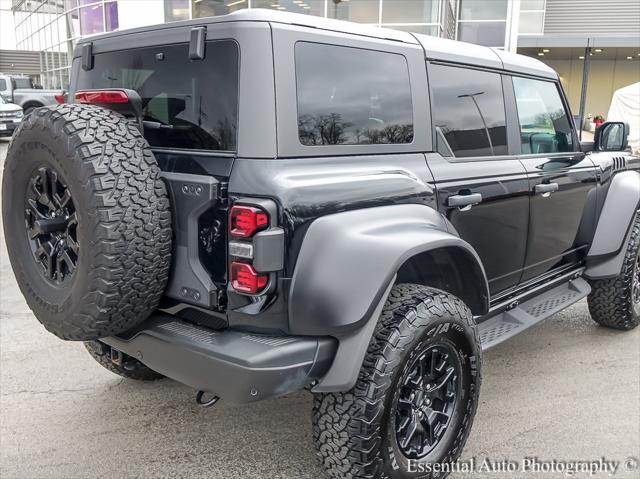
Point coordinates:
[(10, 116), (258, 203), (625, 107), (21, 91)]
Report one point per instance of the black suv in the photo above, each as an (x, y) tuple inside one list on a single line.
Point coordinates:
[(263, 202)]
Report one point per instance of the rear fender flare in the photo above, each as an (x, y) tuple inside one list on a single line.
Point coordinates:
[(346, 268)]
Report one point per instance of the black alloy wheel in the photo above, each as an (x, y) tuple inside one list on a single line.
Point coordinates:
[(51, 223), (428, 397)]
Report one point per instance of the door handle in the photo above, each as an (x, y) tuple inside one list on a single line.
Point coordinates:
[(545, 189), (464, 202)]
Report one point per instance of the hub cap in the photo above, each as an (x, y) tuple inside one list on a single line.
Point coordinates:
[(427, 399), (51, 222)]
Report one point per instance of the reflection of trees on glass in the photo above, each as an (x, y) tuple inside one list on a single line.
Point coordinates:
[(330, 129)]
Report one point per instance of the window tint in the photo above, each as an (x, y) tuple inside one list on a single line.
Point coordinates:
[(349, 96), (468, 111), (3, 84), (544, 125), (22, 83), (186, 104)]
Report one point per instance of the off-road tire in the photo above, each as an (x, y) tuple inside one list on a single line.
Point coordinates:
[(123, 226), (130, 368), (351, 430), (611, 302)]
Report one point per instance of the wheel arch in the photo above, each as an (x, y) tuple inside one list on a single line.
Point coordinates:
[(350, 261), (32, 104), (452, 269), (607, 251)]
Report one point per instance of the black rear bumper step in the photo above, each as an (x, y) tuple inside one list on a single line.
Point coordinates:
[(235, 365)]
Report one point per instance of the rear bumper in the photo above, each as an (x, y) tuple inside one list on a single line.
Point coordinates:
[(235, 365)]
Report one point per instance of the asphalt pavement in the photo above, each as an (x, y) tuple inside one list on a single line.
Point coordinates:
[(565, 391)]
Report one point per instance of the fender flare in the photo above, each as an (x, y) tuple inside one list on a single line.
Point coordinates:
[(346, 268), (607, 251)]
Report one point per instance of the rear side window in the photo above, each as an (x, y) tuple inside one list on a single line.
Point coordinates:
[(468, 112), (3, 84), (351, 96), (544, 124), (186, 104)]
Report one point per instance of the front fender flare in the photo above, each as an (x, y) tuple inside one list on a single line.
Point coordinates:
[(607, 250)]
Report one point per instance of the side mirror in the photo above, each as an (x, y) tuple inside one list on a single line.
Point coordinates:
[(612, 136)]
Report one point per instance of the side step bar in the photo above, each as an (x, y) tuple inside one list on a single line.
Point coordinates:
[(238, 366), (514, 321)]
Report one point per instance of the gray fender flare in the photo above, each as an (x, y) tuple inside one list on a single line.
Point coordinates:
[(607, 252), (346, 268)]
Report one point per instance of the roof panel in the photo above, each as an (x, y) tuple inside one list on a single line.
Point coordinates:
[(527, 65), (458, 52)]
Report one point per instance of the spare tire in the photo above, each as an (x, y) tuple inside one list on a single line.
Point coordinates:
[(87, 221)]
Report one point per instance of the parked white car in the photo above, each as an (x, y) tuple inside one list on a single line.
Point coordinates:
[(10, 117)]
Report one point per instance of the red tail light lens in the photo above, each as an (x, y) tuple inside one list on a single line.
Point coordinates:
[(245, 279), (244, 221), (60, 98), (102, 96)]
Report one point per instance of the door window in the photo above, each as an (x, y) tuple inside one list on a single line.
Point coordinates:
[(468, 112), (544, 124), (351, 96)]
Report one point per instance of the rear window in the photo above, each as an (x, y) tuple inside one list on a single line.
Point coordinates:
[(22, 83), (351, 96), (186, 104)]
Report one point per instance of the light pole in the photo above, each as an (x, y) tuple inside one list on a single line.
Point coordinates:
[(475, 102)]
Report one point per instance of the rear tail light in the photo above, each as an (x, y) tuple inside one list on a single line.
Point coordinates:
[(245, 279), (245, 221), (60, 98), (102, 96)]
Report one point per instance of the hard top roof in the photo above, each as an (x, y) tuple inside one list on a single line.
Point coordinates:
[(435, 48)]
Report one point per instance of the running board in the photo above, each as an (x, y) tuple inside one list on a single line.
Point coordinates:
[(514, 321)]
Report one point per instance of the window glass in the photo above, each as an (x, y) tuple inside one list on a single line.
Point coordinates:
[(468, 111), (488, 34), (211, 8), (175, 10), (483, 10), (362, 11), (531, 22), (544, 125), (312, 7), (22, 83), (350, 96), (532, 4), (186, 104), (3, 84), (410, 11)]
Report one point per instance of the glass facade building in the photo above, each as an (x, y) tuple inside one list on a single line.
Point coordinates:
[(553, 31)]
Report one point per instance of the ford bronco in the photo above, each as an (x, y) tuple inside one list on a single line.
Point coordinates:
[(263, 202)]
